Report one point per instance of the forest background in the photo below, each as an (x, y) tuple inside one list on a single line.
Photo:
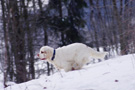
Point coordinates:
[(26, 25)]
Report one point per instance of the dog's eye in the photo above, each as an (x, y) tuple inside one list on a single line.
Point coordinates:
[(42, 52)]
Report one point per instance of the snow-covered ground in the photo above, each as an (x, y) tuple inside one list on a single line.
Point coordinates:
[(1, 80), (114, 74)]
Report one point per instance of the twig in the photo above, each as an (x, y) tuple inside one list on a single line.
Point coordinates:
[(60, 73)]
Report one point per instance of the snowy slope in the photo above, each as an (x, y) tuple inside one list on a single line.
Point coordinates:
[(1, 80), (113, 74)]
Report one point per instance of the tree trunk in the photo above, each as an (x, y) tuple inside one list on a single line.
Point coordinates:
[(119, 23), (30, 41), (18, 43), (7, 59), (93, 24)]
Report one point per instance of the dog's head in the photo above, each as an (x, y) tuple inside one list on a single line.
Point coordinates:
[(45, 53)]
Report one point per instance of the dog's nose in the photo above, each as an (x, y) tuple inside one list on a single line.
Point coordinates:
[(38, 55)]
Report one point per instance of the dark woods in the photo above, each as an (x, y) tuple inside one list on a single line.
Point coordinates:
[(26, 25)]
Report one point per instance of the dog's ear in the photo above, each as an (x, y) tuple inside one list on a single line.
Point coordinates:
[(49, 53)]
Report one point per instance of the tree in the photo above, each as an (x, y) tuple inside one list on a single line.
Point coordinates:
[(7, 58), (68, 23), (19, 43)]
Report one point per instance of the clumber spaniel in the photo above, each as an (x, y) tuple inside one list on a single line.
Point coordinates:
[(70, 57)]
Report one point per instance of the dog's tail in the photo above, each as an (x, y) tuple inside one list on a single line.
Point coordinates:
[(97, 55)]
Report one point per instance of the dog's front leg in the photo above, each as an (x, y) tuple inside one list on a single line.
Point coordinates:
[(69, 67)]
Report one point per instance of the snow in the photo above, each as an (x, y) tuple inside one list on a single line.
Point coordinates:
[(113, 74), (1, 79)]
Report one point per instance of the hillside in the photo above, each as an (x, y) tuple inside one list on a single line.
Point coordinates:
[(114, 74)]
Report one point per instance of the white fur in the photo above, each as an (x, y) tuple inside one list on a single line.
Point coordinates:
[(73, 56)]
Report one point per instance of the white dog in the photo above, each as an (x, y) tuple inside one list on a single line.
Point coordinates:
[(71, 57)]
